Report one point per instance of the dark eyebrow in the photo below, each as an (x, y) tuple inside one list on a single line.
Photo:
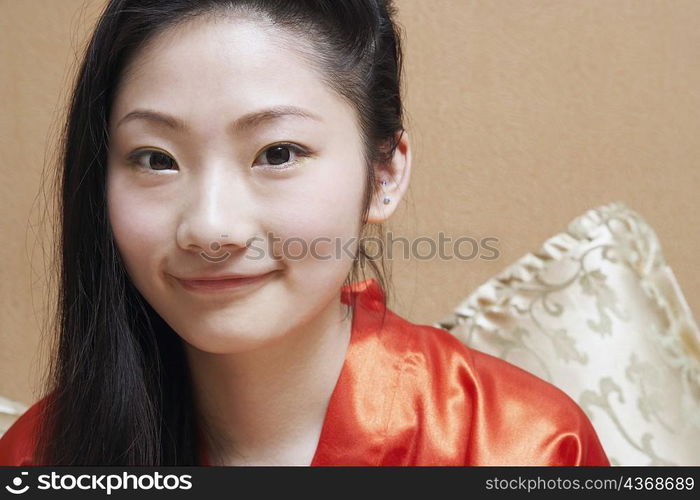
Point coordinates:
[(246, 121)]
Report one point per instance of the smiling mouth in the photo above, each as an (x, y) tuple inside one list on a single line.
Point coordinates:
[(222, 285)]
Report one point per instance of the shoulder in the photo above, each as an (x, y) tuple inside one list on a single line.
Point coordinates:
[(514, 416), (18, 442)]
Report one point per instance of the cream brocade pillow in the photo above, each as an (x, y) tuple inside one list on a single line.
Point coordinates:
[(9, 412), (599, 313)]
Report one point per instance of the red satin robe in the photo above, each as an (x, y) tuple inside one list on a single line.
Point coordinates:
[(413, 394)]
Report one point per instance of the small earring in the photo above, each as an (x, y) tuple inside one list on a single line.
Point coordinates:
[(387, 200)]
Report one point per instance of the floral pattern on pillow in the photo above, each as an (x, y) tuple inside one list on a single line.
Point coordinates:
[(599, 313)]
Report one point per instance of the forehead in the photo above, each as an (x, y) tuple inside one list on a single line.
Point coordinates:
[(209, 67)]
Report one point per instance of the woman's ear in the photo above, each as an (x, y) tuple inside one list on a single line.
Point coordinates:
[(396, 175)]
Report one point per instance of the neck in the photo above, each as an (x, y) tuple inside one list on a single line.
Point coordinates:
[(267, 406)]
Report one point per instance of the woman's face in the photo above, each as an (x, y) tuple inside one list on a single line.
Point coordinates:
[(207, 193)]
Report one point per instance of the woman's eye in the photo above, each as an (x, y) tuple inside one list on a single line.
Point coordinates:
[(154, 160), (281, 154)]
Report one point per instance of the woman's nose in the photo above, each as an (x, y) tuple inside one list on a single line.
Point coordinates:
[(217, 215)]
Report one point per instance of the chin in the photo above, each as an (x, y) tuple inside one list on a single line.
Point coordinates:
[(227, 343)]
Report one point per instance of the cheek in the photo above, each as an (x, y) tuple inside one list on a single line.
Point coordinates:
[(329, 209), (137, 229)]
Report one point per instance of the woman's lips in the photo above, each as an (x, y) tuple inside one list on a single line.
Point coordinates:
[(220, 285)]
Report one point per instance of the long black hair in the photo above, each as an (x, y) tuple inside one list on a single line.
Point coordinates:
[(118, 390)]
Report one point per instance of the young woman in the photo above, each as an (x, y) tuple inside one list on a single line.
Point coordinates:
[(219, 158)]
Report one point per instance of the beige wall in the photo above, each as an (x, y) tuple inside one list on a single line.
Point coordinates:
[(522, 114)]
